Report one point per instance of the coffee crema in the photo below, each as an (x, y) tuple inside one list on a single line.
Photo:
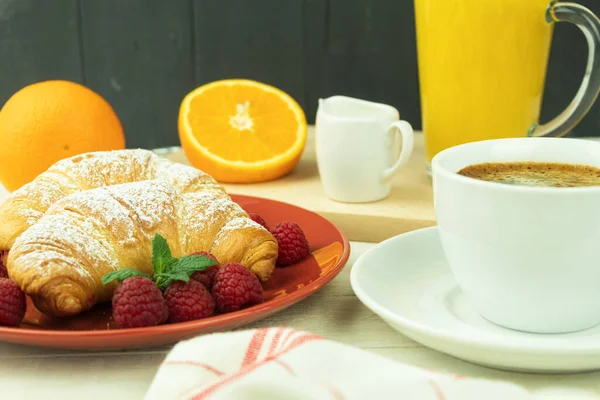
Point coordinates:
[(533, 173)]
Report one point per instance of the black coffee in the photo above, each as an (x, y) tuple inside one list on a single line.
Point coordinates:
[(530, 173)]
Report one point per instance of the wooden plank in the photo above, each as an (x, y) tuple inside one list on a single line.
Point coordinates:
[(365, 49), (38, 41), (253, 39), (138, 55)]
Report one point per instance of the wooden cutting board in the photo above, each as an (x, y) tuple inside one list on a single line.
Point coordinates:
[(409, 206)]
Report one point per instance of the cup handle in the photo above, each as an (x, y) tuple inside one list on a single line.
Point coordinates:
[(406, 131), (588, 91)]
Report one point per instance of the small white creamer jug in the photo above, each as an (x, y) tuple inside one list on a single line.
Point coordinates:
[(357, 147)]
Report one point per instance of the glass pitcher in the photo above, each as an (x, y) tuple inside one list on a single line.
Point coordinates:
[(482, 67)]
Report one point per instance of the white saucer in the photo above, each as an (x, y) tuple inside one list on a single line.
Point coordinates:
[(407, 282)]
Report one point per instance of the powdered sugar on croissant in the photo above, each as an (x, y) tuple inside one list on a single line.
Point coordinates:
[(59, 261), (89, 171)]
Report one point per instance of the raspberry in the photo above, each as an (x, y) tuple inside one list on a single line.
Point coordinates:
[(207, 276), (3, 257), (259, 220), (12, 303), (235, 287), (188, 301), (293, 245), (138, 302)]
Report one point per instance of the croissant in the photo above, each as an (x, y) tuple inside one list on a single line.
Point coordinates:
[(88, 171), (59, 260)]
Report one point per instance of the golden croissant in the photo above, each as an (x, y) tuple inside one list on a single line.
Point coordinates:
[(88, 171), (59, 261)]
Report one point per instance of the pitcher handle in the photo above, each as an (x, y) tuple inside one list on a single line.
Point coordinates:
[(590, 86), (406, 132)]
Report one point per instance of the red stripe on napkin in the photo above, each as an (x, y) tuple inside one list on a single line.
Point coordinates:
[(288, 336), (300, 341), (254, 347), (285, 365), (196, 364), (337, 395), (275, 341), (438, 391), (256, 342)]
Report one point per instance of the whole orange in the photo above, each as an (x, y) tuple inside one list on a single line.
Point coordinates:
[(47, 121)]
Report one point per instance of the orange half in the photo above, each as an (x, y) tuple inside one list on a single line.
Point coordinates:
[(242, 131)]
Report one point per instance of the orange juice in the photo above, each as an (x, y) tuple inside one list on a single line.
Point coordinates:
[(482, 67)]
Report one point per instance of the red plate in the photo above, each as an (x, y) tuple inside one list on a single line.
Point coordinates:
[(95, 329)]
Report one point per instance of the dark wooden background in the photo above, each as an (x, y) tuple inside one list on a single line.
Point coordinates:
[(143, 56)]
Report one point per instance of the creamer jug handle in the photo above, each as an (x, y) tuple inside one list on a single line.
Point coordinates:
[(590, 86), (404, 130)]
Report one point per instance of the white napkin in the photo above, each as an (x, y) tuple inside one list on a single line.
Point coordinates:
[(283, 363)]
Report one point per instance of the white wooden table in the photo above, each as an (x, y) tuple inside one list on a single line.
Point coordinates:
[(333, 312)]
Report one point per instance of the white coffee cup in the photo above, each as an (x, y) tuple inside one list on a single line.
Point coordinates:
[(357, 148), (527, 258)]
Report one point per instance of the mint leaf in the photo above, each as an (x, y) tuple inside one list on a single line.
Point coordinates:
[(191, 264), (168, 268), (164, 280), (161, 254), (122, 274), (182, 269)]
